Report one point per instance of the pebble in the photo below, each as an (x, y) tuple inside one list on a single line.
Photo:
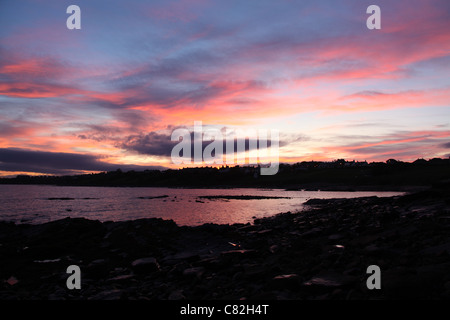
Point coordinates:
[(12, 281), (144, 265), (107, 295), (286, 281), (194, 272), (176, 295)]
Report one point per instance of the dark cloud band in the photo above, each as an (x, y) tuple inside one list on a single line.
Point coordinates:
[(12, 159)]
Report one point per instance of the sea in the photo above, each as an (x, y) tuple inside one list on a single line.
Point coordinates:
[(36, 204)]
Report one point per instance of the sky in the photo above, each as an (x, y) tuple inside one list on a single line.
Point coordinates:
[(110, 94)]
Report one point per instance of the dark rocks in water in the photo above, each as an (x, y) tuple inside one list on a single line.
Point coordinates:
[(336, 201), (145, 265), (240, 197), (69, 198), (155, 197), (314, 202)]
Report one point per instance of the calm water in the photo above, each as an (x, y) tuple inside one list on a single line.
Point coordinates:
[(33, 204)]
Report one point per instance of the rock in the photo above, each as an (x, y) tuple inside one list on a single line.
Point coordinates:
[(336, 236), (233, 256), (47, 260), (432, 274), (326, 282), (285, 281), (248, 227), (255, 271), (176, 295), (12, 281), (188, 256), (312, 232), (57, 295), (145, 265), (352, 271), (404, 283), (107, 295), (337, 294), (314, 202), (260, 232), (97, 268), (437, 250), (121, 278), (213, 263), (365, 240), (194, 272), (274, 248), (237, 276), (374, 250), (237, 252), (264, 296)]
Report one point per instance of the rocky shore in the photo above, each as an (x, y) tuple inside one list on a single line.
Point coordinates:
[(320, 253)]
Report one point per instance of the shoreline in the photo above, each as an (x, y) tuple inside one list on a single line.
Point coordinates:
[(303, 187), (319, 253)]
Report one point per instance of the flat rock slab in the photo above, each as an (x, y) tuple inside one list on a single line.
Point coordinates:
[(329, 281), (238, 252), (107, 295), (285, 281), (145, 265), (194, 272)]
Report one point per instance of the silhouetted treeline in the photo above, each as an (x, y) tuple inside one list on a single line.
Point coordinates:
[(339, 174)]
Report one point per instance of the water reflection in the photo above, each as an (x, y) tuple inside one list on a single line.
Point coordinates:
[(38, 204)]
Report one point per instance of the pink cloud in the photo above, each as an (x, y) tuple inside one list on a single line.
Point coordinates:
[(35, 90), (373, 100), (407, 146)]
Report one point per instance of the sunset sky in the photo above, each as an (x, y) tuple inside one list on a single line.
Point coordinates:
[(109, 95)]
